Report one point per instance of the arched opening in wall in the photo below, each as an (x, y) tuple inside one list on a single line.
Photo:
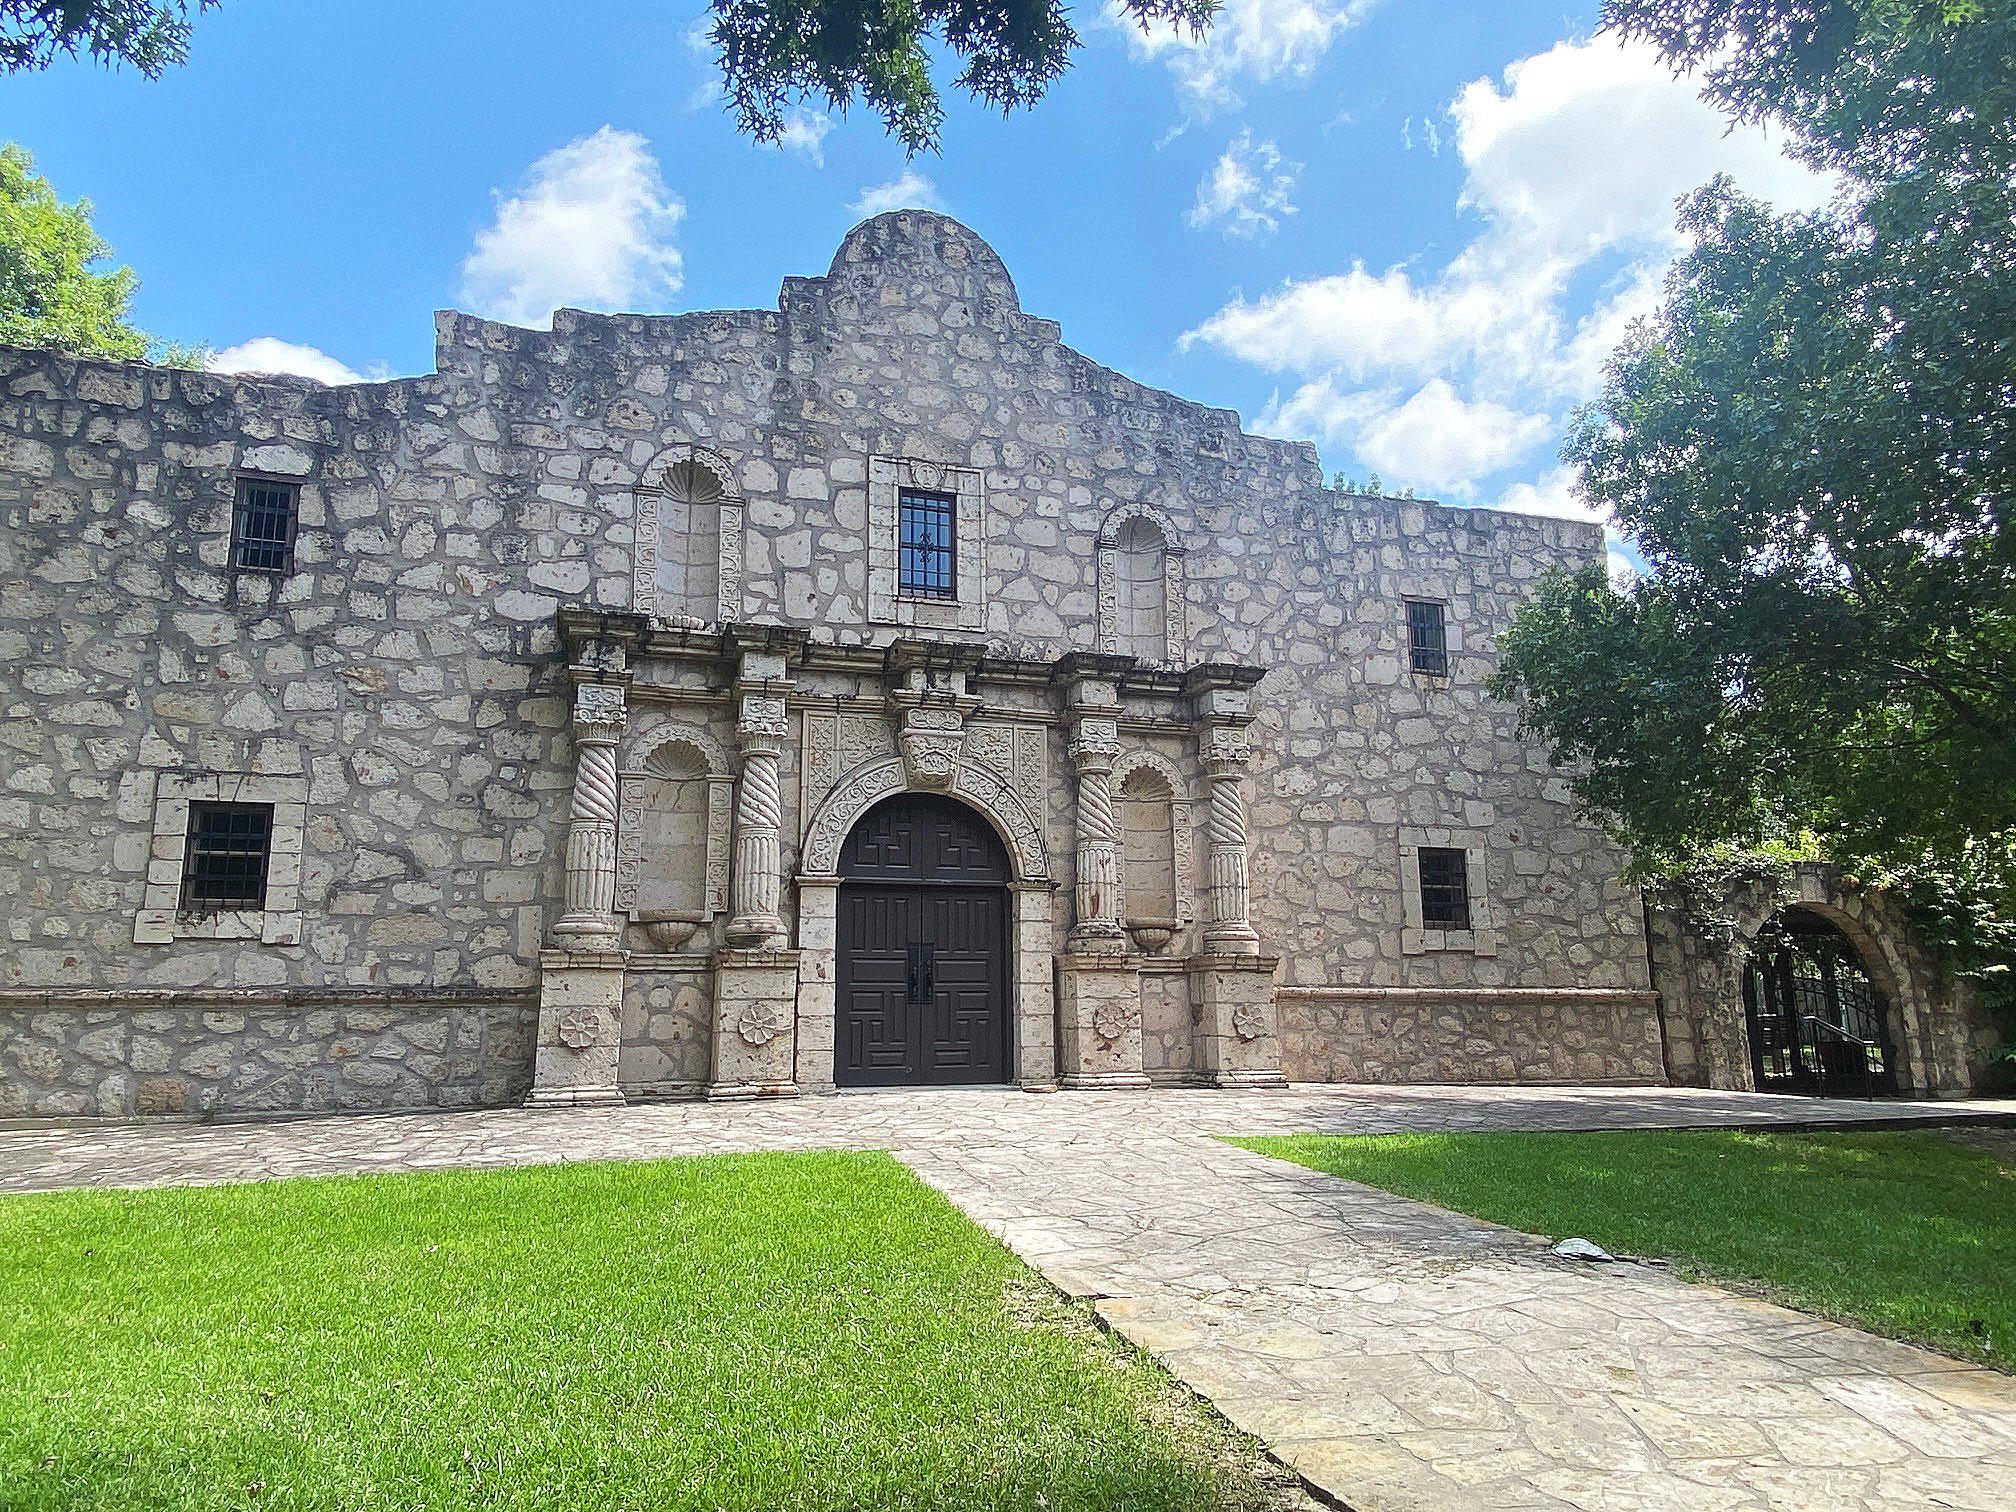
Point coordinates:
[(1148, 858), (921, 981), (689, 542), (1141, 590), (1818, 1024), (671, 812)]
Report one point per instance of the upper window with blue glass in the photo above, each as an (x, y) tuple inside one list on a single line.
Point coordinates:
[(926, 564)]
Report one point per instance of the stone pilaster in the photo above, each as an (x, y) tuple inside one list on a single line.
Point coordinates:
[(581, 976), (754, 922), (755, 1024), (1099, 1020), (1094, 748), (1228, 931), (1238, 1035), (589, 921)]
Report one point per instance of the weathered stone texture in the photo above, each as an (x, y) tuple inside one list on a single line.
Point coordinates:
[(1425, 1035), (410, 670), (121, 1055)]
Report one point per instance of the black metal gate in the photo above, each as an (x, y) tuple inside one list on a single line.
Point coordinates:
[(1818, 1025)]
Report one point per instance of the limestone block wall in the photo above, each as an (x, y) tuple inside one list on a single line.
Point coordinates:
[(149, 1052), (1397, 1034), (668, 1018), (400, 683), (407, 677)]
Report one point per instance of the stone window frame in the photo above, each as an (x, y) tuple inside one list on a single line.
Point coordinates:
[(162, 920), (1481, 938), (1452, 639), (1182, 836), (1174, 549), (650, 491), (888, 478), (719, 775)]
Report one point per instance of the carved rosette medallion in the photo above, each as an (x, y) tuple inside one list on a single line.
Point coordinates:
[(576, 1030), (1110, 1021), (1248, 1022), (760, 1023)]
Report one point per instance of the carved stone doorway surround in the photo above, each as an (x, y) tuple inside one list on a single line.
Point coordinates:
[(1077, 1011), (1032, 1019)]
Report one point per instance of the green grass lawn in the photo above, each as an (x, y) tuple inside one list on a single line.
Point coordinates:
[(1904, 1233), (760, 1331)]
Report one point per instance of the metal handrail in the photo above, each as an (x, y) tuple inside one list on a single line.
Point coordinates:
[(1868, 1076)]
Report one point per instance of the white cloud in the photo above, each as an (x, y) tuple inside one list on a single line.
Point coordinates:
[(1577, 154), (269, 354), (1249, 190), (1587, 145), (1255, 40), (909, 190), (591, 227), (1433, 438), (805, 132)]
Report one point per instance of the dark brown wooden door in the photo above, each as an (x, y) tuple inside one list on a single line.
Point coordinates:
[(922, 989)]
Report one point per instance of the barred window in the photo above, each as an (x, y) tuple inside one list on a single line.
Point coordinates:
[(1427, 638), (262, 525), (224, 861), (925, 564), (1445, 887)]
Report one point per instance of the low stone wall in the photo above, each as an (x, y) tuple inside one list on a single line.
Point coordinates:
[(1427, 1034), (132, 1053)]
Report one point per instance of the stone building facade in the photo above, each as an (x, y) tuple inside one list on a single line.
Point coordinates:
[(592, 716)]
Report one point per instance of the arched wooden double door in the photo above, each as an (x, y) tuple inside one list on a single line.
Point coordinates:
[(922, 989)]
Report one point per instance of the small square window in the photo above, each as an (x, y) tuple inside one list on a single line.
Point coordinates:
[(1427, 638), (262, 525), (224, 862), (925, 564), (1445, 887)]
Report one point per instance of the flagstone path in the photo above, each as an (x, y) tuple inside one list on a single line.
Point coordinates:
[(1396, 1355)]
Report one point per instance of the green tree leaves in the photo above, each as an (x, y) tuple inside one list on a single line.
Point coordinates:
[(775, 52), (143, 33), (1813, 445), (51, 294)]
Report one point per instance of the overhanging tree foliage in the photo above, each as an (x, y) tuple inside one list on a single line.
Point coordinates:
[(1813, 443), (776, 52), (146, 34), (52, 294)]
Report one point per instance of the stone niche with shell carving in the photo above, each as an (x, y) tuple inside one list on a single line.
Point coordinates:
[(672, 839), (687, 551)]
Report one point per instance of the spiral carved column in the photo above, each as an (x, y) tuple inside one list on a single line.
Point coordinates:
[(759, 814), (1229, 932), (589, 922), (1094, 749)]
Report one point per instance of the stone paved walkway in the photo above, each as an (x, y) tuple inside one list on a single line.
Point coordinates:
[(1396, 1355)]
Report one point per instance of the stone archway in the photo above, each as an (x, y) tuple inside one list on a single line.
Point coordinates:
[(1819, 1021), (1032, 1019), (921, 976)]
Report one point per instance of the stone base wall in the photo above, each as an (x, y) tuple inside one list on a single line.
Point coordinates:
[(1412, 1034), (193, 1053), (668, 1027)]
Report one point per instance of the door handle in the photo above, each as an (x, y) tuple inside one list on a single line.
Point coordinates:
[(920, 976)]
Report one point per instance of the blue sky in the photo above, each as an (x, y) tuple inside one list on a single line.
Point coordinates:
[(1407, 232)]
